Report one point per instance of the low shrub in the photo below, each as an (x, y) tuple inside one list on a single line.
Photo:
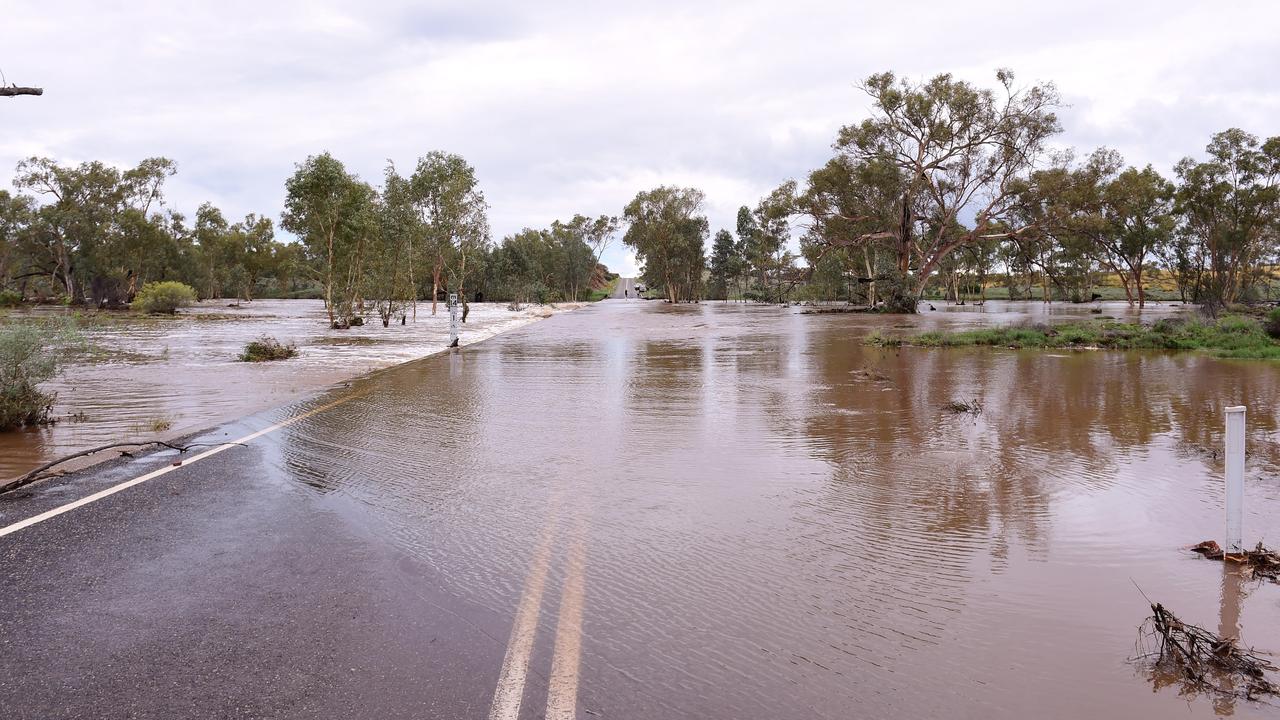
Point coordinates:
[(267, 348), (1272, 324), (30, 355), (163, 297), (9, 298)]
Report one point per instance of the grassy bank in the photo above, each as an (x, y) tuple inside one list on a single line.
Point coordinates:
[(1230, 337)]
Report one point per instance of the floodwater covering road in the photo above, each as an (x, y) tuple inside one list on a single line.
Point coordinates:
[(640, 510), (157, 377)]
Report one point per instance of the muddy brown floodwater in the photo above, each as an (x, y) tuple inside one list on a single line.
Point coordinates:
[(158, 377), (780, 522)]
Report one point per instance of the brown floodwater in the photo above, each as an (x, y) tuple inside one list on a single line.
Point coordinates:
[(153, 377), (780, 522)]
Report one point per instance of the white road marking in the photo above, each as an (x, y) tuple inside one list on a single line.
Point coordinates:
[(34, 519), (562, 694), (515, 664)]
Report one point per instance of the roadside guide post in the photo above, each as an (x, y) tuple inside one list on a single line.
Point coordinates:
[(453, 319), (1234, 544)]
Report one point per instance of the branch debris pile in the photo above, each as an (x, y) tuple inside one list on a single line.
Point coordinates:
[(1202, 661)]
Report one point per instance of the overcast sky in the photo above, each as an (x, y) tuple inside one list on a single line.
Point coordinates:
[(574, 107)]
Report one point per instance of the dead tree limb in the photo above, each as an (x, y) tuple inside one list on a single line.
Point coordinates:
[(14, 90), (37, 474)]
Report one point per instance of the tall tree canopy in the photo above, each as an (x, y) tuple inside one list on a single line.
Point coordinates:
[(667, 231), (948, 153)]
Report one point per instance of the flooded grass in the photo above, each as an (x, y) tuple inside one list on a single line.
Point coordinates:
[(266, 349), (1232, 337)]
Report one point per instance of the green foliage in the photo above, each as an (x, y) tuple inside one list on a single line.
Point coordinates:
[(30, 354), (1233, 337), (667, 233), (267, 348), (9, 298), (164, 297), (1272, 325)]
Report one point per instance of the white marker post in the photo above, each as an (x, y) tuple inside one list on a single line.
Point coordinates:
[(1235, 480), (453, 319)]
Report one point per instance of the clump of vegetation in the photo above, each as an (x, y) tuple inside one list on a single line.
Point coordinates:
[(29, 355), (164, 297), (160, 424), (267, 348), (9, 298), (964, 407), (879, 339), (1230, 337), (1202, 660), (1272, 324)]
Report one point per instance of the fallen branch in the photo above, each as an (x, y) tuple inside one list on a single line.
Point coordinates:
[(14, 90), (1202, 661), (37, 474)]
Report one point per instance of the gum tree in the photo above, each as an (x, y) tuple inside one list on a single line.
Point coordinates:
[(952, 153), (667, 231)]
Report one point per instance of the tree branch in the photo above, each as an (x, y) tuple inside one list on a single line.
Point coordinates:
[(14, 90)]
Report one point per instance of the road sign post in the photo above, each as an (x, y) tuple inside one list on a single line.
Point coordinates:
[(453, 319), (1234, 544)]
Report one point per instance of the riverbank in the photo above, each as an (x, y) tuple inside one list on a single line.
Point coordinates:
[(158, 377), (1229, 337)]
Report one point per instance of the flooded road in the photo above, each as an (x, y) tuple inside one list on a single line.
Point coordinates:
[(735, 511), (152, 377)]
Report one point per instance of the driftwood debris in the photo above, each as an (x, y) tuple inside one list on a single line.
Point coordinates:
[(14, 91), (39, 473), (1201, 660), (1260, 563)]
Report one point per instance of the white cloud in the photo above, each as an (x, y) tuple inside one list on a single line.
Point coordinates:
[(574, 107)]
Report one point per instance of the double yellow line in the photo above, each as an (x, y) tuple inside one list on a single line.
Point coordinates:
[(562, 690)]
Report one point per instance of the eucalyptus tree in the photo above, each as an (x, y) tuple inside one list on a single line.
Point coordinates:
[(333, 213), (667, 232), (1229, 205), (845, 200), (452, 210), (768, 251), (92, 222), (1138, 212), (389, 268), (952, 152), (746, 230)]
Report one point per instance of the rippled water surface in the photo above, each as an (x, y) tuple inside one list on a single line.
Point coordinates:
[(780, 522), (152, 377)]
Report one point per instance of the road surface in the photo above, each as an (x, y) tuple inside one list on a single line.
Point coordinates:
[(625, 288), (640, 510)]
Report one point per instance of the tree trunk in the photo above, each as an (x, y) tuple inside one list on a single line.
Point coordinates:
[(435, 286)]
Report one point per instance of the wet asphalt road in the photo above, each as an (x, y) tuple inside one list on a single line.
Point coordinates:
[(625, 288), (218, 591)]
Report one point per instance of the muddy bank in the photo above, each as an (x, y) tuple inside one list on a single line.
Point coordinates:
[(161, 377)]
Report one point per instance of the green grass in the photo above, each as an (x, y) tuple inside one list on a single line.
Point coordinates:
[(1230, 337)]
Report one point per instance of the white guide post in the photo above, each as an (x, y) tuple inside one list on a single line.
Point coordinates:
[(1235, 480), (453, 319)]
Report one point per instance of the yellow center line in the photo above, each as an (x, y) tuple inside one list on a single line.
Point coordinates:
[(562, 694), (515, 664), (34, 519)]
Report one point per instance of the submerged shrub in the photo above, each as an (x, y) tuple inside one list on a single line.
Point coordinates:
[(164, 297), (29, 355), (267, 348)]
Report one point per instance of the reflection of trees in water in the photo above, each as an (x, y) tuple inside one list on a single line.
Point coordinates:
[(1049, 422)]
